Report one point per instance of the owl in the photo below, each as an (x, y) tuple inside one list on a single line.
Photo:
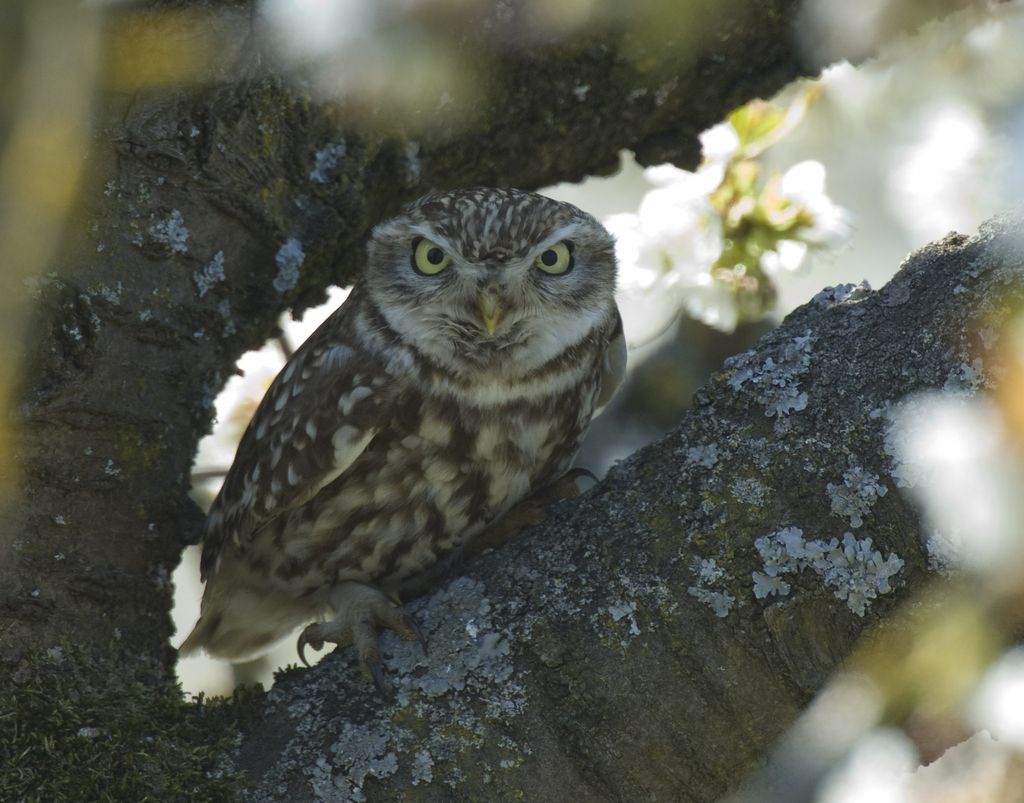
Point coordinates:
[(457, 379)]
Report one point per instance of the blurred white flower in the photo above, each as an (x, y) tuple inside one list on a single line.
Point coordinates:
[(998, 702), (788, 256), (296, 330), (308, 29), (719, 144), (874, 771), (938, 182), (234, 406), (682, 231), (804, 186), (832, 29), (953, 455), (670, 244), (712, 303), (978, 770)]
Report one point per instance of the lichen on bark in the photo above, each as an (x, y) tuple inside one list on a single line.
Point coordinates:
[(577, 660)]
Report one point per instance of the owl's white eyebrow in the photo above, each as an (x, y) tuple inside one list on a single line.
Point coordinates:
[(429, 234), (557, 235)]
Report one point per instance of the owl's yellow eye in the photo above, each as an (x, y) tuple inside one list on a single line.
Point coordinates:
[(429, 258), (556, 259)]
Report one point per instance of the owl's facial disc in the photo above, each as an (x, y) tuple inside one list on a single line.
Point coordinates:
[(494, 279)]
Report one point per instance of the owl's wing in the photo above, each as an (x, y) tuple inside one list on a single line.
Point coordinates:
[(613, 367), (317, 417)]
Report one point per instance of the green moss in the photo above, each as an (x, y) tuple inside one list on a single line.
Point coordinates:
[(73, 729), (135, 452)]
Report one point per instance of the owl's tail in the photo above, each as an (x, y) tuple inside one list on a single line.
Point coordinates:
[(243, 623)]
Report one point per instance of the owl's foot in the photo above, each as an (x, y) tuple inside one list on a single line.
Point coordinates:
[(362, 611)]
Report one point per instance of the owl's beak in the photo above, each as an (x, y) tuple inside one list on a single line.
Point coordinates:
[(490, 311)]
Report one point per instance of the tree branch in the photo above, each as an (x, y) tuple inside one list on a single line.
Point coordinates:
[(604, 656)]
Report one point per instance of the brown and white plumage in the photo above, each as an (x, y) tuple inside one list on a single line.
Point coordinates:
[(430, 403)]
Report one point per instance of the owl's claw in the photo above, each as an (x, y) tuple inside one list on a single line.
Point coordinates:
[(363, 611), (374, 667), (411, 632), (574, 474), (309, 638)]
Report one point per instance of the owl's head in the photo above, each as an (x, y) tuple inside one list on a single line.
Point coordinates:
[(496, 277)]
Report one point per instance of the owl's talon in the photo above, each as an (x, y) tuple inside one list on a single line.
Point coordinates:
[(574, 474), (374, 668), (407, 629), (362, 612), (417, 634), (310, 637)]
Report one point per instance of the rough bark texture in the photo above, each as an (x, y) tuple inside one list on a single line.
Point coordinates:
[(603, 656)]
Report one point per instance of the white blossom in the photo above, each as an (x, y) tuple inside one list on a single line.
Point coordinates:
[(954, 455), (804, 186), (665, 251), (788, 255), (719, 144)]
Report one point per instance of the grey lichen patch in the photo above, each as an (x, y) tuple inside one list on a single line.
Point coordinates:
[(211, 274), (112, 295), (466, 648), (989, 337), (38, 285), (842, 294), (224, 308), (945, 550), (431, 722), (361, 751), (422, 768), (967, 377), (708, 574), (705, 455), (325, 161), (171, 231), (412, 165), (289, 258), (855, 497), (625, 612), (774, 381), (854, 571), (749, 491)]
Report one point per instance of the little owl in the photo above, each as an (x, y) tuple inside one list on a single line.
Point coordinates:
[(457, 379)]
